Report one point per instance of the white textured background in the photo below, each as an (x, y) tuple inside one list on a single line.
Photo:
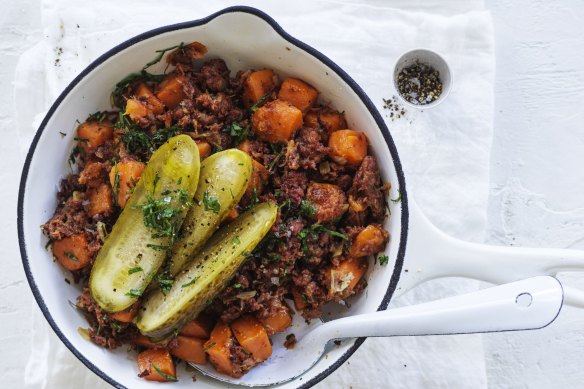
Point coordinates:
[(537, 183)]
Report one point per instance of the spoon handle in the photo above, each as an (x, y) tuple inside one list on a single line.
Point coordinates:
[(528, 304)]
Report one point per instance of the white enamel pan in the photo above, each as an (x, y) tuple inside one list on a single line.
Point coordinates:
[(247, 38)]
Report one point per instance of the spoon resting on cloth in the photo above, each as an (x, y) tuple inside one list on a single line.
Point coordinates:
[(523, 305)]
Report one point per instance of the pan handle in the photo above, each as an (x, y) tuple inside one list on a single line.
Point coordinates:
[(522, 305), (430, 254)]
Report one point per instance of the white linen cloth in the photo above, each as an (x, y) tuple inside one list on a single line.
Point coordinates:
[(445, 150)]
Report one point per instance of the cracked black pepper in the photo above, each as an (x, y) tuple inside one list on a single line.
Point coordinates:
[(419, 83)]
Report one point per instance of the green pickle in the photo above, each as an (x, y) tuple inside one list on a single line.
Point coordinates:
[(141, 237), (208, 272), (222, 182)]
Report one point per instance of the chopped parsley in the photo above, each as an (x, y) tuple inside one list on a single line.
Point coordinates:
[(383, 259), (397, 199), (117, 96), (167, 377), (71, 256), (238, 133), (160, 54), (260, 101), (83, 140), (211, 203), (116, 183), (165, 283), (191, 282), (135, 270), (210, 345), (236, 240), (237, 286), (307, 208), (135, 293)]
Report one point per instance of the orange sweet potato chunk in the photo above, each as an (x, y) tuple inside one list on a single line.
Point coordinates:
[(100, 200), (259, 176), (150, 361), (93, 134), (204, 148), (198, 328), (145, 94), (277, 321), (189, 349), (258, 84), (276, 121), (72, 252), (123, 177), (342, 279), (252, 336), (348, 147), (298, 93), (170, 91), (128, 314), (369, 241), (218, 350), (332, 121)]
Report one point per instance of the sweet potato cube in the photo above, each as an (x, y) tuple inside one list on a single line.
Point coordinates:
[(93, 134), (123, 177), (332, 121), (128, 314), (171, 91), (204, 148), (137, 109), (342, 279), (277, 321), (189, 349), (100, 200), (152, 362), (198, 328), (348, 147), (72, 252), (252, 336), (298, 93), (218, 349), (145, 94), (311, 119), (258, 84), (144, 341), (276, 121), (299, 300), (369, 241), (259, 176)]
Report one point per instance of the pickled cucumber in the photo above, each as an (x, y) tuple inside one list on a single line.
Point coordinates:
[(141, 237), (204, 277), (222, 183)]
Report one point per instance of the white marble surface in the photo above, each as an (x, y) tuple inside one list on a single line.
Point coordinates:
[(536, 183)]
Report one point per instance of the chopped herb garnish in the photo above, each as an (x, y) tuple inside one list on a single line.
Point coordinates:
[(97, 116), (235, 240), (165, 283), (48, 244), (260, 101), (62, 134), (84, 140), (135, 270), (307, 208), (397, 199), (116, 183), (135, 293), (254, 199), (210, 345), (191, 282), (159, 137), (167, 377), (123, 85), (238, 133), (211, 203), (383, 259), (71, 256), (155, 183), (161, 54), (237, 286)]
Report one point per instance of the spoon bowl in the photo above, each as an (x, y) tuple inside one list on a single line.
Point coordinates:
[(522, 305)]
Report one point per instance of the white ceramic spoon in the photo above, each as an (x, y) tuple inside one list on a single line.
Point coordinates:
[(523, 305)]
